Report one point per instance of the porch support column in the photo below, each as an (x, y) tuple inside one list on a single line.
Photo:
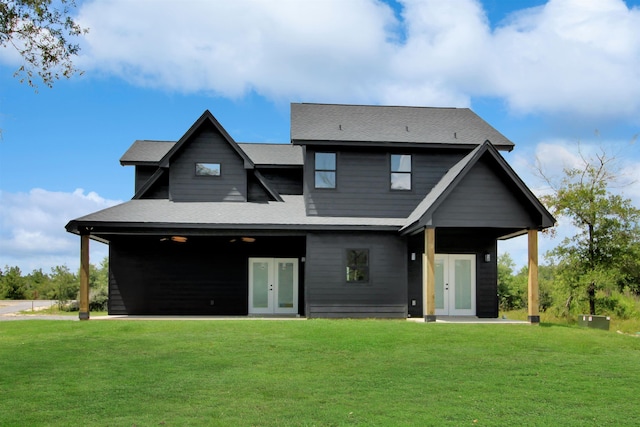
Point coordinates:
[(429, 276), (84, 277), (534, 293)]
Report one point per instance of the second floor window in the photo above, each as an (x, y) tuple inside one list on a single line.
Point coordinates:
[(207, 169), (401, 172), (325, 170)]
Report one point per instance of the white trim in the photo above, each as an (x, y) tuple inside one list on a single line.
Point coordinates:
[(449, 291), (273, 285)]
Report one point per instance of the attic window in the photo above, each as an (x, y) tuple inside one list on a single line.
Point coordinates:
[(401, 172), (207, 169)]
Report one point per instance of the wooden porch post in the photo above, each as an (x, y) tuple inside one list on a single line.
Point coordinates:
[(534, 293), (84, 277), (429, 276)]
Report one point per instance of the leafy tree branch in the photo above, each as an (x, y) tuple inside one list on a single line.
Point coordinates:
[(43, 33)]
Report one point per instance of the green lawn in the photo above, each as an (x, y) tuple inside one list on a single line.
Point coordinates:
[(314, 372)]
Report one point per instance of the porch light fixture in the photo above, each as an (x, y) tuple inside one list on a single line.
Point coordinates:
[(487, 257)]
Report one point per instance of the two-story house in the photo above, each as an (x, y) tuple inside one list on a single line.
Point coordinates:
[(370, 211)]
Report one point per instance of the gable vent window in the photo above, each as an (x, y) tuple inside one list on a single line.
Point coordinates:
[(401, 172), (357, 265), (207, 169), (325, 170)]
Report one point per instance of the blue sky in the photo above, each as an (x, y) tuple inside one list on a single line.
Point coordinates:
[(545, 74)]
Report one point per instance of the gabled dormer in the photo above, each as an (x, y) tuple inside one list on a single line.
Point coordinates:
[(207, 165)]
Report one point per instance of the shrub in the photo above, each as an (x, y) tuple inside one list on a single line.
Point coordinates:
[(98, 300)]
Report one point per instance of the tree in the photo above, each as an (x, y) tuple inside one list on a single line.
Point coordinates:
[(12, 284), (42, 32), (64, 284), (603, 254), (511, 294)]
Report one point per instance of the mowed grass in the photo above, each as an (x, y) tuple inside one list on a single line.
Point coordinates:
[(314, 373)]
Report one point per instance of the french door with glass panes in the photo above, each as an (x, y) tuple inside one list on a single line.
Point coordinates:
[(273, 285), (455, 282)]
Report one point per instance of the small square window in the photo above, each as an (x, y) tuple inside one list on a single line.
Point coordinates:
[(208, 169), (357, 265)]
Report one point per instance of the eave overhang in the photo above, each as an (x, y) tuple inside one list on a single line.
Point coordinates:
[(394, 144), (421, 217)]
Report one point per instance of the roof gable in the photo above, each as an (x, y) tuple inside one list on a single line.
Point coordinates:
[(422, 214), (205, 118), (427, 126)]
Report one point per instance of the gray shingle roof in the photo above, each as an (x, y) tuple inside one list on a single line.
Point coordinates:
[(273, 154), (367, 123), (288, 214), (151, 152), (146, 152)]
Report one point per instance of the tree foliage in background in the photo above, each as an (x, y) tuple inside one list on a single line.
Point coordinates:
[(512, 292), (43, 33), (603, 254), (61, 284)]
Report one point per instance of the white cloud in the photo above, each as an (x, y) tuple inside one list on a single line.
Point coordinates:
[(571, 56), (32, 233)]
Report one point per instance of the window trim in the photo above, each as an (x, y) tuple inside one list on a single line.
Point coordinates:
[(334, 170), (393, 172), (366, 267), (206, 165)]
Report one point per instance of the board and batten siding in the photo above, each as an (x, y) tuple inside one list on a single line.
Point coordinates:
[(363, 182), (207, 146), (328, 294)]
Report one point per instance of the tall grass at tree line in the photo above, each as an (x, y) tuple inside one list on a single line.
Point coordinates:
[(314, 372)]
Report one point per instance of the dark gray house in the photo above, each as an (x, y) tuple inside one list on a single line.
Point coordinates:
[(370, 211)]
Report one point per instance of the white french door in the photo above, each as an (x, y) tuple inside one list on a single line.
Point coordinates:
[(455, 285), (273, 285)]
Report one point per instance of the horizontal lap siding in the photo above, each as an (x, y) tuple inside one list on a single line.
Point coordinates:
[(143, 173), (363, 184), (207, 146), (329, 295), (284, 180), (150, 277), (478, 241), (482, 199), (172, 278)]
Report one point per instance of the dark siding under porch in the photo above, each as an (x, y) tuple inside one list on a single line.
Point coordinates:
[(150, 277), (329, 295), (460, 241)]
